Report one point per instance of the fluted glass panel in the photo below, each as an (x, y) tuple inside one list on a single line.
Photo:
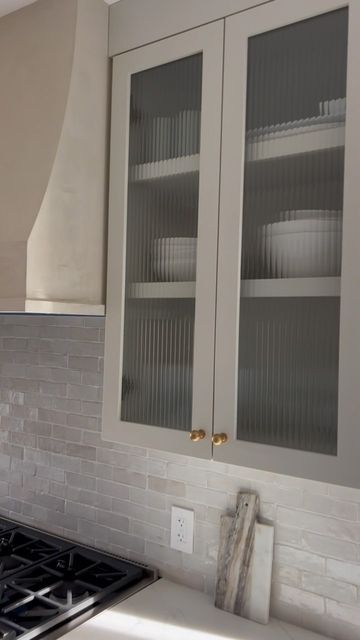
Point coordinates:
[(288, 376), (161, 244), (292, 234)]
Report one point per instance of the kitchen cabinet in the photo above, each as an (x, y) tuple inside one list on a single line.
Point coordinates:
[(164, 194), (134, 24), (287, 306), (278, 272)]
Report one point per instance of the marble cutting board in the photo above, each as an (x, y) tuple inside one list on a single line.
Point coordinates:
[(245, 562), (256, 604)]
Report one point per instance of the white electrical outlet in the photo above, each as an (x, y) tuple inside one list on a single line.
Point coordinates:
[(182, 529)]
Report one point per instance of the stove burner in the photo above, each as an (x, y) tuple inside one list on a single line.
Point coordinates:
[(68, 593), (70, 588)]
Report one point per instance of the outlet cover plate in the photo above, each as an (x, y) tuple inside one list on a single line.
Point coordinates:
[(182, 529)]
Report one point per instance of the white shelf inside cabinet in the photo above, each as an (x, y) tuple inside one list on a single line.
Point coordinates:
[(295, 141), (139, 290), (169, 169), (291, 288)]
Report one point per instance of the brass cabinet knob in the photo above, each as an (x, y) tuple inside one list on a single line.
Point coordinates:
[(197, 434), (219, 438)]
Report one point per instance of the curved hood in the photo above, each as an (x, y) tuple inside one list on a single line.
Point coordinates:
[(53, 110)]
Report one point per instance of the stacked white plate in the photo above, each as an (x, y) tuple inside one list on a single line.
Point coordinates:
[(173, 136), (174, 259), (306, 243), (335, 107)]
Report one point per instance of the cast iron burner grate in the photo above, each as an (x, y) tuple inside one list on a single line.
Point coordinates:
[(18, 550), (33, 613), (45, 582)]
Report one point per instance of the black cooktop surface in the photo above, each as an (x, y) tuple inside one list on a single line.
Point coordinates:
[(46, 581)]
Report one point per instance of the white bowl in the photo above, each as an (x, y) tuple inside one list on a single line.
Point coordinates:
[(180, 271), (304, 254), (175, 270), (174, 259), (311, 214), (188, 242), (335, 107), (299, 226)]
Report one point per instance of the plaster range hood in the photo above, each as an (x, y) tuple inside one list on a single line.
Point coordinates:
[(54, 73)]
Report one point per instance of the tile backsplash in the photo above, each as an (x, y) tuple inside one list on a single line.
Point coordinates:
[(57, 473)]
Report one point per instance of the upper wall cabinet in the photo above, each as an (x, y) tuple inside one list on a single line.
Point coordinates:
[(288, 303), (269, 261), (165, 157)]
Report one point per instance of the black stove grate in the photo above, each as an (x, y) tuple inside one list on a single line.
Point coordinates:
[(45, 582), (19, 549)]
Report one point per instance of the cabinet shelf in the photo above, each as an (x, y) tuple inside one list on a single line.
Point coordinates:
[(291, 288), (141, 290), (295, 141), (257, 288), (185, 167)]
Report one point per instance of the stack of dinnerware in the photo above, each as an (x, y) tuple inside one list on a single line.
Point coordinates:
[(335, 107), (174, 259), (172, 136), (310, 214), (304, 243)]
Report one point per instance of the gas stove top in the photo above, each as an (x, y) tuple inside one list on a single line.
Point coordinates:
[(45, 581)]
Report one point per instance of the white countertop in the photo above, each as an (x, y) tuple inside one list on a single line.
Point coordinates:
[(168, 611)]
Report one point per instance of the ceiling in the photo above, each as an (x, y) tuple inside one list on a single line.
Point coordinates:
[(7, 6)]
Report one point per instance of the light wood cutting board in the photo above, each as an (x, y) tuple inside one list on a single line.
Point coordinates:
[(245, 562)]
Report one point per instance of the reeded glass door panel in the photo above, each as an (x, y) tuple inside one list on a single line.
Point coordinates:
[(161, 245), (292, 235)]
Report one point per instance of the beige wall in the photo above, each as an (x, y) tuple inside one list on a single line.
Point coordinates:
[(36, 55)]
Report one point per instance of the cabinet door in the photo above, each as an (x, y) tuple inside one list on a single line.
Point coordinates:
[(164, 196), (288, 300)]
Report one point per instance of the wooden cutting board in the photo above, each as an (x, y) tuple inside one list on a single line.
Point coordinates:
[(245, 562)]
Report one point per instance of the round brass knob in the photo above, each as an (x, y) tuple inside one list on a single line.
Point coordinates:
[(197, 434), (219, 438)]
